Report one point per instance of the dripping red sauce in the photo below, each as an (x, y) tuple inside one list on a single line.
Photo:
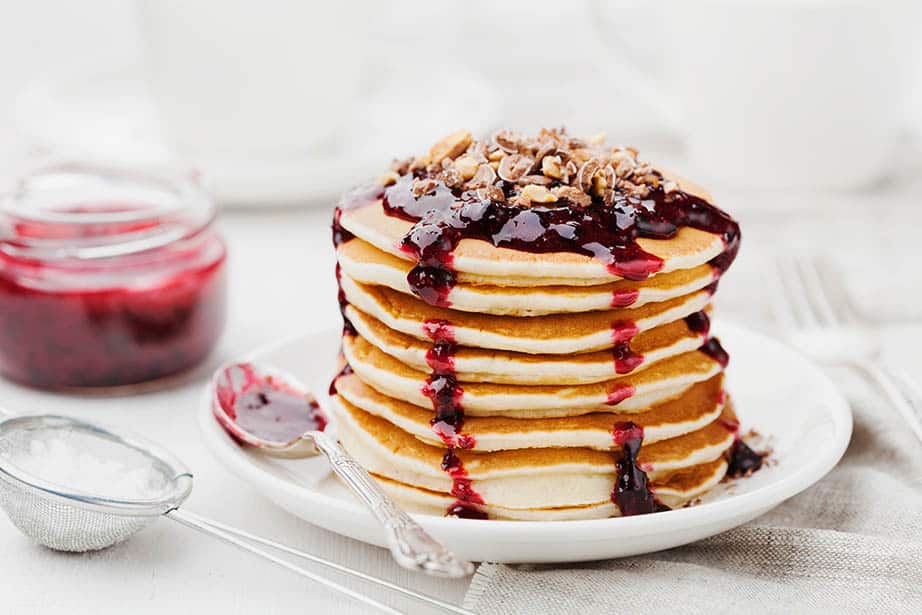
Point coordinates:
[(345, 371), (264, 407), (624, 298), (631, 493), (742, 459), (348, 327), (626, 360), (352, 199), (442, 386), (699, 322), (618, 394), (713, 349), (466, 504), (443, 217)]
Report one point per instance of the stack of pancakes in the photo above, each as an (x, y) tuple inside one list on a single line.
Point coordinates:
[(535, 384)]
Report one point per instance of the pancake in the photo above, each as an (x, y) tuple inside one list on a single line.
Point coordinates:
[(517, 479), (550, 334), (679, 490), (689, 248), (631, 393), (483, 365), (368, 265), (526, 331), (701, 404)]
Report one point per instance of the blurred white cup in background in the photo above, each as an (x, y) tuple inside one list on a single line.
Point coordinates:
[(267, 79), (775, 93)]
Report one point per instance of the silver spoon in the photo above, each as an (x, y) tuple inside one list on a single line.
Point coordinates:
[(271, 411)]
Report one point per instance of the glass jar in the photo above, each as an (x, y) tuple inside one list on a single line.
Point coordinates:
[(108, 276)]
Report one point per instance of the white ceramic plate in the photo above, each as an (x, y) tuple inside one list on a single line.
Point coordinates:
[(788, 399)]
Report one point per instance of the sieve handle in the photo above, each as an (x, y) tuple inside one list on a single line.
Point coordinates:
[(209, 526), (203, 525), (411, 546)]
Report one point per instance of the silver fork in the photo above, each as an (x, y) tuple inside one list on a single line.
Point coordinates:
[(819, 319)]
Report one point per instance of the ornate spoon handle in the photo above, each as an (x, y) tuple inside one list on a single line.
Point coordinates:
[(410, 544)]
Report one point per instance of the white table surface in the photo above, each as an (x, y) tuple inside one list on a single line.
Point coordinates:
[(282, 283)]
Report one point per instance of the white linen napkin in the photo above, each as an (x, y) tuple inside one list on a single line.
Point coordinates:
[(852, 543)]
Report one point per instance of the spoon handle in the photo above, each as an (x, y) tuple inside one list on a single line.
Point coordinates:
[(411, 546)]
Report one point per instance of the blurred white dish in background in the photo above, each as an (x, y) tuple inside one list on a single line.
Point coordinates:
[(774, 94), (111, 118), (798, 410), (242, 79)]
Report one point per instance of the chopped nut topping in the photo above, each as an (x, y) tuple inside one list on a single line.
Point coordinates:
[(587, 173), (514, 166), (551, 167), (492, 193), (506, 141), (574, 195), (388, 179), (467, 166), (538, 194), (451, 146), (424, 186), (483, 177)]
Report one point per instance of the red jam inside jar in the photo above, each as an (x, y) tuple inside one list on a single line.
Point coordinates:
[(107, 277)]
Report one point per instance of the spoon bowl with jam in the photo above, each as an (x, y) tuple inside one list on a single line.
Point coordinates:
[(271, 411)]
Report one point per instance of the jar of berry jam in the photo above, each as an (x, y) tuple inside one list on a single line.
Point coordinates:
[(108, 276)]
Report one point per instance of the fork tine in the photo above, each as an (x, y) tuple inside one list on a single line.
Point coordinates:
[(832, 278), (913, 387), (817, 290), (778, 293), (796, 293)]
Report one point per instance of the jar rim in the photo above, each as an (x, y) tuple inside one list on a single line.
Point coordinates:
[(70, 210)]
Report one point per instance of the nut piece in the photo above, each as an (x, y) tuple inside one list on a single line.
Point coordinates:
[(514, 166), (467, 166), (574, 195), (451, 146), (586, 173), (388, 179), (550, 166), (451, 176), (483, 177), (423, 186), (491, 193), (538, 194), (506, 141)]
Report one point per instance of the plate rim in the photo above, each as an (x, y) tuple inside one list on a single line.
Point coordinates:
[(764, 497)]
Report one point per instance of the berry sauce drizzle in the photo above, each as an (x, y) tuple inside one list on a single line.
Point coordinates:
[(631, 493), (345, 371), (699, 323), (626, 360), (466, 504), (624, 298), (742, 460), (442, 386), (350, 200), (713, 349), (443, 217), (443, 389)]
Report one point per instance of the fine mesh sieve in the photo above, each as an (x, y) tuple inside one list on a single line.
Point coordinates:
[(66, 519)]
